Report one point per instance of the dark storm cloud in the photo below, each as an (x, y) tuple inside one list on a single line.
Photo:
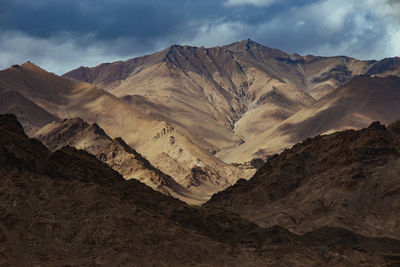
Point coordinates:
[(111, 28), (146, 20), (63, 34)]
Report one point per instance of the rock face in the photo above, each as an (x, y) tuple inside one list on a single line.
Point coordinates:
[(348, 179), (115, 152), (68, 208)]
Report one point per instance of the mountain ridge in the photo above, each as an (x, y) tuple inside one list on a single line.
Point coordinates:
[(240, 91), (346, 179), (354, 105), (115, 152)]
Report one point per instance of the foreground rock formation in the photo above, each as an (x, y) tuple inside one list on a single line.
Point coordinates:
[(68, 208), (348, 179)]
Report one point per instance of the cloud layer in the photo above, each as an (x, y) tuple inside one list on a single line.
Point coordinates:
[(249, 2), (64, 34)]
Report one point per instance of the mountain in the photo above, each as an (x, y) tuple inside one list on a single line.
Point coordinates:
[(68, 208), (115, 152), (227, 96), (194, 87), (195, 112), (169, 149), (65, 99), (349, 179), (354, 105)]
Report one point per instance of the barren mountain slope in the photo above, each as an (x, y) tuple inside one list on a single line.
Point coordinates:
[(190, 165), (348, 179), (245, 87), (352, 106), (314, 75), (207, 91), (115, 152), (68, 208), (65, 99), (204, 90), (172, 151)]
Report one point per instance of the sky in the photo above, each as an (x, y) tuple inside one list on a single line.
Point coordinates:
[(61, 35)]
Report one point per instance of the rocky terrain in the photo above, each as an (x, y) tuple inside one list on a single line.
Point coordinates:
[(349, 179), (67, 208), (38, 98), (115, 152)]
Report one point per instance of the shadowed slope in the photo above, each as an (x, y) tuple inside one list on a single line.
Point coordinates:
[(68, 208), (347, 179), (31, 115)]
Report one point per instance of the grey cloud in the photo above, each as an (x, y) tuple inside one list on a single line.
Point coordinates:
[(249, 2), (326, 27), (55, 54), (105, 19), (87, 30)]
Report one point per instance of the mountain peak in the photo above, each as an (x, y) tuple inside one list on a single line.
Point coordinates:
[(244, 44), (32, 67), (249, 45), (175, 49), (249, 42), (29, 64), (25, 65)]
